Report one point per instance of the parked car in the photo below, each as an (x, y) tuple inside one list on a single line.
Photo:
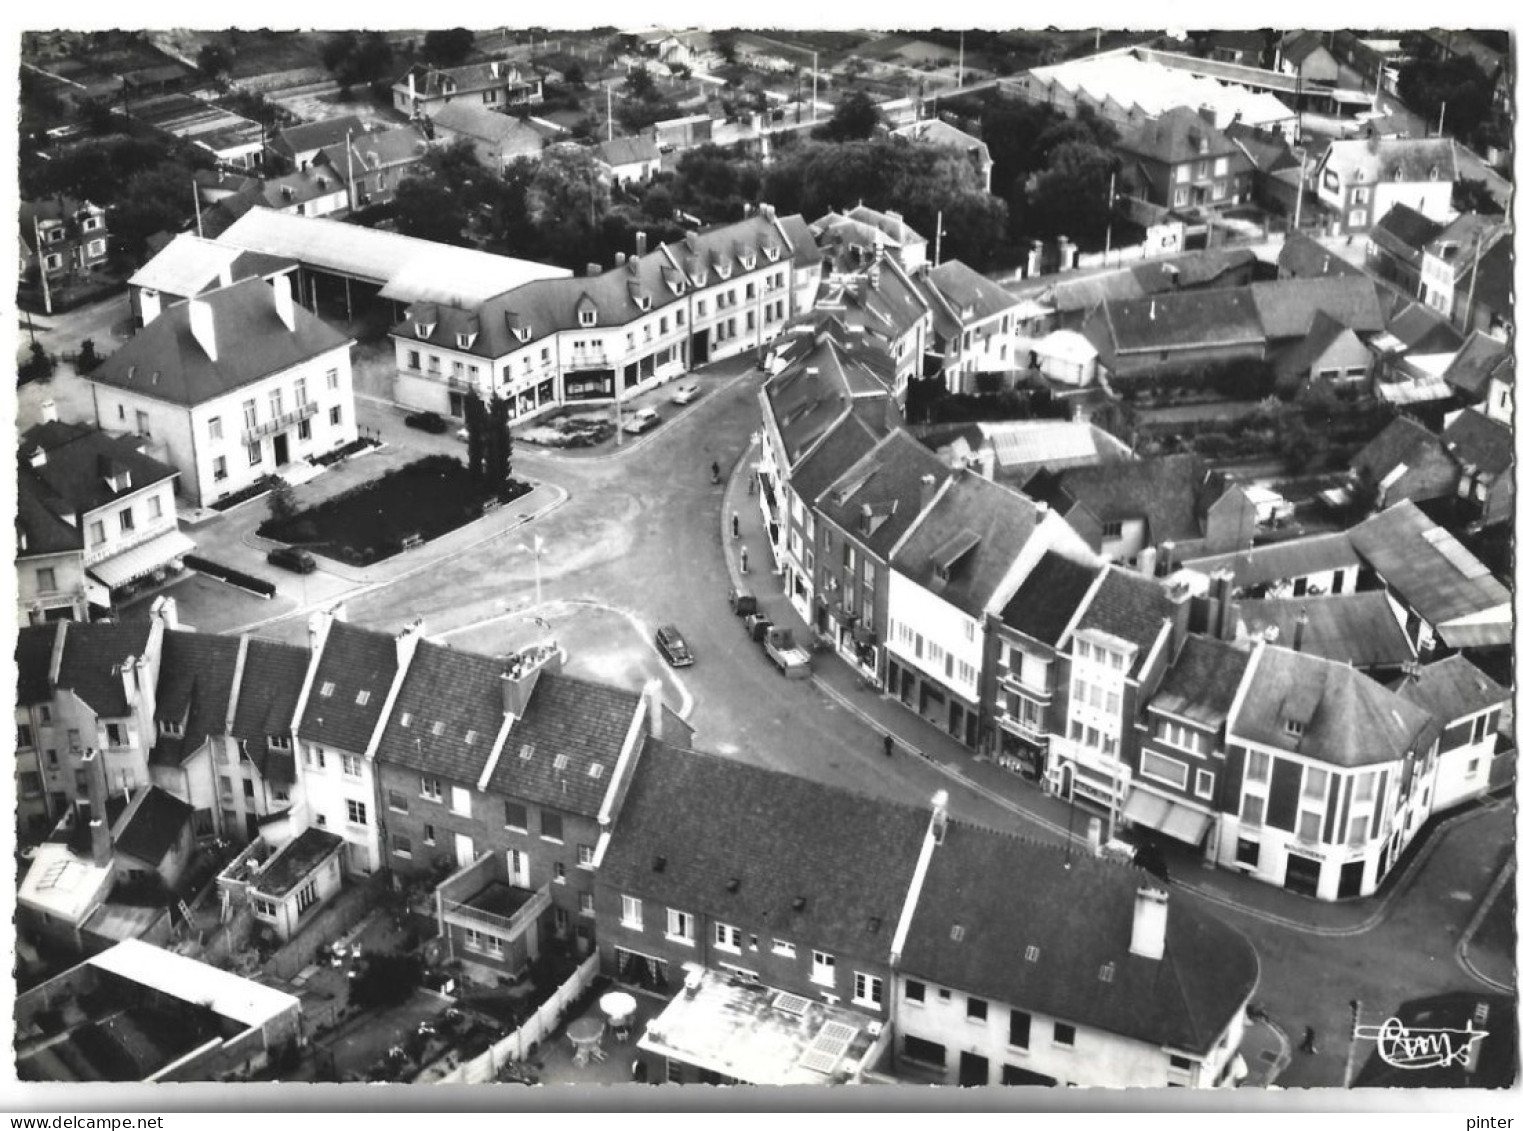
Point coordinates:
[(686, 394), (742, 603), (642, 421), (289, 557), (673, 647), (427, 422)]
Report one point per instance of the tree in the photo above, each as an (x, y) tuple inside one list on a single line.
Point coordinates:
[(152, 201), (1472, 195), (386, 980), (1071, 196), (426, 208), (475, 437), (639, 84), (88, 360), (282, 501), (575, 76), (856, 118), (489, 443), (356, 59), (449, 47), (38, 367), (1455, 87), (213, 61)]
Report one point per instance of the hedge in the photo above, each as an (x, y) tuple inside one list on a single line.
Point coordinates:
[(230, 575)]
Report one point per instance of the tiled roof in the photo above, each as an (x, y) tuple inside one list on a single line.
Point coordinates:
[(1403, 442), (1403, 231), (196, 684), (502, 130), (295, 862), (151, 824), (1130, 606), (1282, 561), (571, 725), (316, 135), (1177, 321), (848, 441), (92, 653), (1493, 287), (1423, 330), (1269, 152), (78, 459), (1049, 597), (1370, 161), (1089, 292), (434, 82), (356, 664), (1473, 366), (933, 131), (1169, 492), (1302, 355), (34, 657), (997, 918), (893, 226), (966, 296), (380, 149), (1175, 137), (1298, 46), (887, 483), (1202, 681), (447, 714), (1350, 628), (1345, 717), (1021, 446), (1195, 269), (694, 823), (999, 523), (164, 360), (1304, 258), (1476, 439), (1288, 307), (272, 677), (1451, 689), (810, 394), (628, 151)]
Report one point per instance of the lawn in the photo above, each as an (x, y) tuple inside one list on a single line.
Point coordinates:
[(380, 518)]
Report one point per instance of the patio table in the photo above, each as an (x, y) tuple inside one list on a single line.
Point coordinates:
[(586, 1034)]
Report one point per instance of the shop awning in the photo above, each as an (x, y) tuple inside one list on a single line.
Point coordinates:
[(1168, 817), (142, 560)]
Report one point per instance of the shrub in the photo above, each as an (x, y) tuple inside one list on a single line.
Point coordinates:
[(386, 980), (230, 575)]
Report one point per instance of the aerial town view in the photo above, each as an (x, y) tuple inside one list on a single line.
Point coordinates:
[(647, 556)]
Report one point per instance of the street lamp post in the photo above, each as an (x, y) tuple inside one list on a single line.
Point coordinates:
[(538, 550)]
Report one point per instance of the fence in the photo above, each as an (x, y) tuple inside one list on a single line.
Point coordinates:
[(547, 1018), (338, 917)]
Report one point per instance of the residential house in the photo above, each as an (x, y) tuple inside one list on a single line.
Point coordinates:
[(1300, 567), (795, 891), (297, 147), (1125, 508), (974, 326), (1328, 776), (1303, 54), (1173, 331), (373, 164), (1482, 450), (62, 238), (424, 88), (294, 882), (1245, 47), (1208, 269), (1026, 685), (865, 289), (1012, 451), (231, 386), (1330, 352), (629, 160), (153, 841), (1406, 461), (1467, 274), (1302, 257), (1287, 308), (1359, 629), (95, 514), (856, 227), (962, 556), (944, 135), (1363, 179), (189, 266), (1469, 705), (1182, 160), (1000, 982), (262, 728), (34, 711), (1481, 374), (1394, 247), (858, 519), (499, 139), (1276, 167)]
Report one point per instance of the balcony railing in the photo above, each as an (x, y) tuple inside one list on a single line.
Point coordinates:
[(587, 359), (1015, 683), (1032, 733), (509, 927), (281, 422)]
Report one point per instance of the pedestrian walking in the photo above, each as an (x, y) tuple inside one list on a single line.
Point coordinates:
[(888, 746), (1309, 1041), (735, 524), (745, 561), (714, 471)]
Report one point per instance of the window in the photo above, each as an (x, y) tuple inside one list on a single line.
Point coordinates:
[(584, 856), (585, 905), (1248, 853), (336, 415), (924, 1051), (1316, 783), (867, 989), (1180, 1063), (1205, 783), (277, 403), (315, 759), (550, 826), (429, 837), (1364, 787), (219, 469), (1181, 736), (333, 379), (784, 949), (516, 816), (301, 392), (401, 846), (1110, 530), (632, 913), (98, 528), (1309, 825), (128, 522), (23, 735), (256, 453), (1258, 766), (460, 800), (727, 938), (356, 812), (214, 427), (353, 766), (264, 908), (978, 1009), (679, 926), (1063, 1034), (823, 972), (250, 413), (306, 897), (914, 991), (1020, 1029), (560, 872), (47, 581), (1167, 770), (155, 507), (1358, 832), (1253, 810), (396, 802), (225, 784)]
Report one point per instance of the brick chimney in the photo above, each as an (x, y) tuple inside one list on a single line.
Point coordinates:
[(202, 326), (939, 816), (927, 491), (640, 243), (522, 672), (1034, 260), (655, 708), (1300, 632), (284, 307), (1150, 922), (100, 831), (48, 411)]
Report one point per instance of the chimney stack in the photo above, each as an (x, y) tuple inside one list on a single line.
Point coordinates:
[(1150, 922), (523, 672), (100, 832), (927, 491), (655, 709), (1034, 260), (619, 259), (639, 243), (284, 306), (1300, 633), (939, 816), (1092, 837), (49, 411), (203, 326), (166, 609)]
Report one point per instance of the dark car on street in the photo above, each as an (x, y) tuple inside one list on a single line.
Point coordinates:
[(427, 422), (672, 647), (289, 557)]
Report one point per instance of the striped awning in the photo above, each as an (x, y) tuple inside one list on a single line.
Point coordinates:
[(1168, 817), (142, 559)]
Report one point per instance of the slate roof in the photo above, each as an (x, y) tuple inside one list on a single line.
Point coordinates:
[(933, 131), (34, 658), (316, 135), (1451, 689), (1169, 492), (706, 821), (1402, 442), (887, 307), (1493, 287), (295, 862), (501, 130), (1009, 895), (891, 226), (195, 688), (1478, 358), (1175, 137), (1270, 152), (1047, 600), (151, 824), (965, 296), (1403, 232), (1298, 46), (164, 361), (1476, 439), (433, 82), (92, 653), (886, 481), (809, 396), (1288, 307), (1423, 330), (848, 441), (447, 714), (1282, 561), (806, 252), (1130, 606), (1393, 158), (1202, 681), (1176, 321), (1089, 292), (355, 662), (78, 459), (572, 721), (1349, 628), (1304, 258), (1350, 720), (1324, 332), (37, 519), (1000, 522), (379, 149), (1197, 269), (627, 151), (272, 677)]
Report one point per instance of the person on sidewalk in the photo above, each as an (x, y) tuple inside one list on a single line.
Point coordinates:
[(735, 524), (745, 560), (888, 745), (1309, 1041), (714, 471)]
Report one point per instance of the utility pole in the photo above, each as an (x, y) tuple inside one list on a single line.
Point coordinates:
[(938, 237), (195, 199), (814, 103), (1300, 192), (609, 88), (959, 55), (1110, 210), (1442, 108), (42, 266), (1353, 1041)]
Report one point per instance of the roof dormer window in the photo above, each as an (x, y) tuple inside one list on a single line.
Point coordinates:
[(465, 341), (748, 261), (424, 329), (678, 287), (1294, 727), (588, 317), (642, 301), (523, 333), (770, 251), (700, 278), (722, 270)]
